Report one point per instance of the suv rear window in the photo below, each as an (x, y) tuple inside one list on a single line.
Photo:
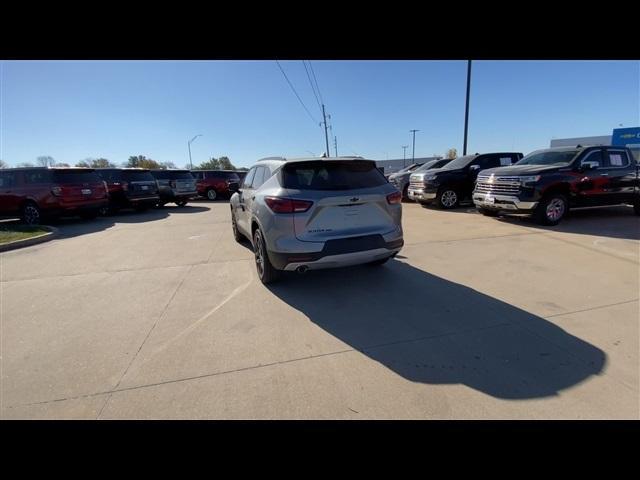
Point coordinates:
[(76, 176), (172, 175), (132, 176), (330, 175), (109, 176)]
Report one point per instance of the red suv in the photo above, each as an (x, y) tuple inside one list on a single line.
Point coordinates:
[(39, 192), (214, 183)]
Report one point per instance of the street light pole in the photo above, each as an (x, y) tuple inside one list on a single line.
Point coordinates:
[(404, 155), (189, 145), (413, 155), (466, 109)]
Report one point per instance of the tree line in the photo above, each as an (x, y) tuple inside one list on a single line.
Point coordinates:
[(134, 161)]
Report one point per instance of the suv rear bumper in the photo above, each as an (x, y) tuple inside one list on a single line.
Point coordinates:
[(503, 202), (338, 253)]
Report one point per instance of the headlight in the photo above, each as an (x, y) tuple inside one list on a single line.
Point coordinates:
[(429, 177), (529, 179)]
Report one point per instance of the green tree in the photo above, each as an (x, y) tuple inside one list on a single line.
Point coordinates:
[(225, 163), (140, 161), (95, 163), (166, 165), (222, 163), (452, 153), (62, 165)]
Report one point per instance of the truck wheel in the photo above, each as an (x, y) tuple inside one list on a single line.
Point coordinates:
[(551, 209), (448, 198), (212, 194), (487, 212), (30, 214), (181, 203), (266, 272)]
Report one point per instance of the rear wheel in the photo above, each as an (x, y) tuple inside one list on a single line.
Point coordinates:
[(212, 194), (487, 212), (266, 272), (181, 203), (448, 198), (30, 214), (551, 209)]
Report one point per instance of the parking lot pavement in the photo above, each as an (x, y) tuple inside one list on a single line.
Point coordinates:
[(161, 315)]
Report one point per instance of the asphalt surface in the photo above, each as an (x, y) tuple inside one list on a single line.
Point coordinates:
[(161, 315)]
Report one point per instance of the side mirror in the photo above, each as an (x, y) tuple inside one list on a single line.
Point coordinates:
[(234, 187), (584, 166), (474, 168)]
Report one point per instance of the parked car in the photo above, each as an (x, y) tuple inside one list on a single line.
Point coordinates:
[(454, 183), (410, 168), (129, 188), (214, 183), (547, 183), (400, 180), (39, 193), (177, 186), (312, 213)]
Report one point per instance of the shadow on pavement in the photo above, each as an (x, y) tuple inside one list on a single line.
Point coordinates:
[(430, 330), (614, 222)]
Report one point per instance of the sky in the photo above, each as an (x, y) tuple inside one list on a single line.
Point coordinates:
[(246, 110)]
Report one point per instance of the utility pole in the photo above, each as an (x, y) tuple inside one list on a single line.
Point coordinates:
[(326, 135), (335, 144), (404, 155), (413, 155), (466, 110)]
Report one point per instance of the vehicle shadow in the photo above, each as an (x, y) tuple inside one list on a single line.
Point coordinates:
[(433, 331), (614, 222)]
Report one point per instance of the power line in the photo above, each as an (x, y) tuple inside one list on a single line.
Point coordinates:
[(296, 93), (316, 80), (311, 83)]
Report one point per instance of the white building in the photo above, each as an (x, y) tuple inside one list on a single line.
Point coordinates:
[(584, 141)]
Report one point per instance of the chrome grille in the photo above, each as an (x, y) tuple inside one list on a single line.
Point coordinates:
[(416, 184), (498, 185)]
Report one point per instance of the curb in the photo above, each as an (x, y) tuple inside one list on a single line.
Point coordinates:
[(53, 233)]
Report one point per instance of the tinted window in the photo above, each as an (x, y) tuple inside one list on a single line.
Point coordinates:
[(7, 179), (36, 176), (459, 162), (132, 176), (616, 159), (109, 176), (75, 176), (327, 175), (249, 178), (197, 175), (548, 157), (172, 174), (262, 175), (427, 166), (595, 156)]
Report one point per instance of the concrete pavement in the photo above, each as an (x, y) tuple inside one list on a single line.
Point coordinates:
[(161, 315)]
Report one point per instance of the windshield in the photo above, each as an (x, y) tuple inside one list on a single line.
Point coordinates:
[(548, 157), (459, 162), (325, 175), (426, 166)]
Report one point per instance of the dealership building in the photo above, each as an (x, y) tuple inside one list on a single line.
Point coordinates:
[(624, 137)]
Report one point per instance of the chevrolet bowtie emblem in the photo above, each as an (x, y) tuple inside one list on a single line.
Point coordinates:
[(354, 199)]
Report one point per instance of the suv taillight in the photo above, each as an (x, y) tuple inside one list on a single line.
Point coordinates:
[(56, 190), (393, 198), (287, 205)]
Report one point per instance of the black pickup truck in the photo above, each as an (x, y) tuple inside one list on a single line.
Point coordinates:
[(453, 183), (547, 183)]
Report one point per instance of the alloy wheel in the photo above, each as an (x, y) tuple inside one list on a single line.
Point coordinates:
[(31, 215), (259, 253), (449, 198), (212, 194), (555, 209)]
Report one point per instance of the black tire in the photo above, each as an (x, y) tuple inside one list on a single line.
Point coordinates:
[(160, 204), (487, 212), (551, 209), (90, 214), (425, 204), (141, 207), (448, 198), (405, 193), (266, 272), (30, 214), (181, 203), (237, 236), (212, 194)]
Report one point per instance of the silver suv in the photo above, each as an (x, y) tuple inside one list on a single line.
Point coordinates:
[(312, 213)]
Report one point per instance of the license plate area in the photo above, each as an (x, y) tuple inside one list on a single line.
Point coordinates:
[(86, 191)]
